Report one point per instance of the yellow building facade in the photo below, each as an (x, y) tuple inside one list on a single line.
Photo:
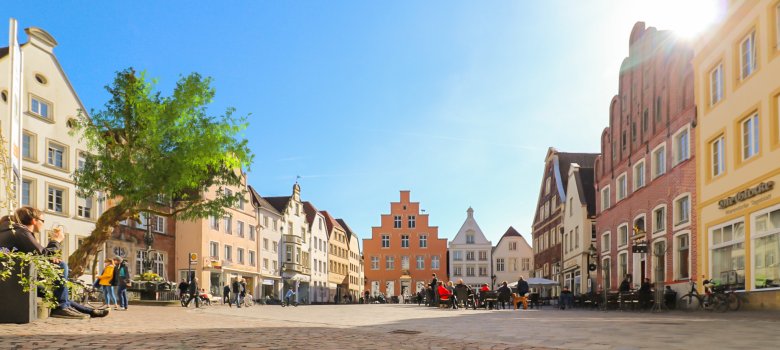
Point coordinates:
[(737, 86)]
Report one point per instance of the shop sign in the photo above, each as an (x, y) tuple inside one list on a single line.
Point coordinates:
[(746, 194)]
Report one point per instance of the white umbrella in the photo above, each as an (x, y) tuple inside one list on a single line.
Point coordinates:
[(536, 282)]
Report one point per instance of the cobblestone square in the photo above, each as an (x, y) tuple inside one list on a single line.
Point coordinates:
[(394, 327)]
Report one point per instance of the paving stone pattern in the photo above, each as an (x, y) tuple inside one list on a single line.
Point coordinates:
[(393, 327)]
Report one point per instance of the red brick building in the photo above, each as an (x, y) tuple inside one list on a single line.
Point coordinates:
[(548, 223), (403, 251), (127, 241), (645, 176)]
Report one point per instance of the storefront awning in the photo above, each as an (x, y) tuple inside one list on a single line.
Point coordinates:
[(268, 282)]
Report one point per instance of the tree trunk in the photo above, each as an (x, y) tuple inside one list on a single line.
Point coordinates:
[(102, 233)]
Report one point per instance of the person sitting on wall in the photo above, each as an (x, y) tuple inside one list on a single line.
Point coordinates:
[(16, 234)]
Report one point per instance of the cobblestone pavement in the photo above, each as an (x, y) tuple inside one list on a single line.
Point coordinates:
[(387, 327)]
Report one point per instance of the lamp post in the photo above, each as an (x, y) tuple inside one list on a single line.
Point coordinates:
[(493, 282), (148, 240), (592, 255)]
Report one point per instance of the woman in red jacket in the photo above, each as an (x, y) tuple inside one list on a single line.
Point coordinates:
[(445, 293)]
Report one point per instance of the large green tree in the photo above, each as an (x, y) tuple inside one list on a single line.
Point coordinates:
[(144, 147)]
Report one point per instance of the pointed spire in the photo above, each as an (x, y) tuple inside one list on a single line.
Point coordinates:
[(470, 212)]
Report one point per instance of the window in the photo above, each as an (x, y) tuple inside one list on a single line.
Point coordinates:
[(659, 219), (526, 264), (81, 160), (56, 155), (469, 238), (385, 241), (750, 137), (747, 55), (288, 257), (605, 198), (623, 235), (659, 161), (405, 262), (457, 255), (483, 255), (27, 192), (229, 225), (728, 249), (404, 241), (547, 186), (84, 207), (214, 223), (765, 249), (375, 263), (718, 148), (39, 107), (28, 145), (645, 120), (214, 250), (252, 235), (576, 237), (681, 147), (470, 271), (606, 242), (265, 243), (622, 264), (483, 270), (228, 253), (275, 246), (423, 241), (389, 263), (265, 264), (470, 255), (621, 187), (420, 262), (607, 273), (500, 265), (458, 271), (716, 85), (435, 262), (240, 228), (397, 221), (412, 221), (682, 256), (512, 245), (55, 200), (639, 175), (240, 255), (682, 210)]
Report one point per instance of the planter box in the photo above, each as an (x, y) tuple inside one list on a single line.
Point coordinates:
[(18, 306)]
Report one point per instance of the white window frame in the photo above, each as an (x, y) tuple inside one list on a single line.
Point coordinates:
[(32, 195), (751, 138), (49, 112), (619, 233), (713, 246), (253, 258), (240, 255), (654, 258), (404, 241), (374, 263), (423, 241), (718, 156), (676, 257), (64, 199), (621, 274), (385, 241), (746, 69), (86, 210), (676, 224), (228, 252), (435, 262), (662, 231), (658, 167), (214, 247), (500, 265), (420, 262), (605, 198), (32, 146), (640, 178), (606, 237), (621, 187), (51, 158), (716, 84), (676, 147)]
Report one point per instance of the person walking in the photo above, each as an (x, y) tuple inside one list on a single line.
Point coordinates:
[(226, 296), (193, 292), (122, 277), (237, 292), (107, 283), (434, 291)]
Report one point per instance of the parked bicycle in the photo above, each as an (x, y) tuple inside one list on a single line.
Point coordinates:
[(86, 294), (714, 298)]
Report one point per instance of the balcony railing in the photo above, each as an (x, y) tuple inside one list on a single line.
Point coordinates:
[(291, 239)]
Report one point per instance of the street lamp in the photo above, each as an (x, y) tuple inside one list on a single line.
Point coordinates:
[(148, 240)]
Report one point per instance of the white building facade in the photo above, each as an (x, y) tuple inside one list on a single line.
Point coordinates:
[(47, 104), (318, 293), (513, 257), (269, 243), (579, 230), (470, 254)]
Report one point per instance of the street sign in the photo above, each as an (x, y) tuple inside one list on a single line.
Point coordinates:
[(193, 258)]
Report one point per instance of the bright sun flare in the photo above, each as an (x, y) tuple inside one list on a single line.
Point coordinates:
[(687, 18)]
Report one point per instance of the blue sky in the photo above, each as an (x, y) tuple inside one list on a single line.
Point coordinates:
[(456, 101)]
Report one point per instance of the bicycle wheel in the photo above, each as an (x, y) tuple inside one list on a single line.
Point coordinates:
[(733, 301), (720, 303), (689, 302), (95, 298)]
